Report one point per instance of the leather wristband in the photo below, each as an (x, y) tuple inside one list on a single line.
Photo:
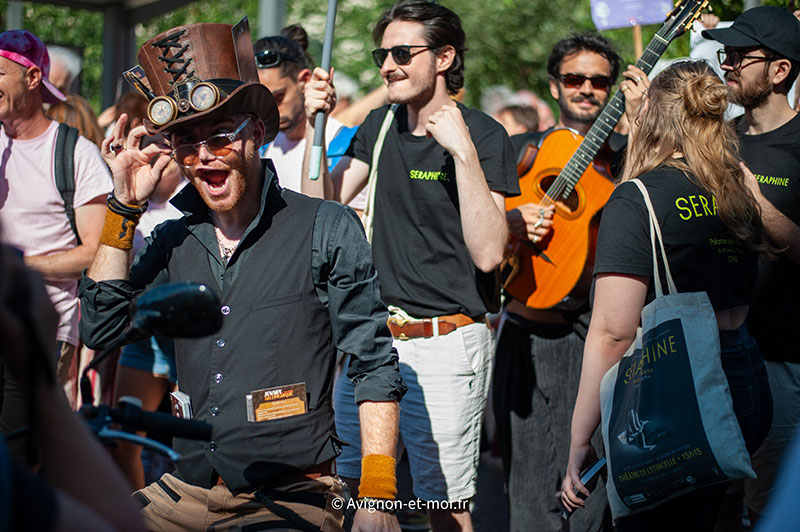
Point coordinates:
[(378, 479)]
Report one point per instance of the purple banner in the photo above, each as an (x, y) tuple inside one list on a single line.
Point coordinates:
[(610, 14)]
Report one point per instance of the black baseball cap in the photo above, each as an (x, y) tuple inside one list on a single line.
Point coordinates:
[(770, 27)]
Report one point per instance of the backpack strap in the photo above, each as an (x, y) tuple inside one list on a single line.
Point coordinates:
[(64, 169)]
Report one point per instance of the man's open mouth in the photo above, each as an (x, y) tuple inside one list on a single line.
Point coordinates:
[(216, 181)]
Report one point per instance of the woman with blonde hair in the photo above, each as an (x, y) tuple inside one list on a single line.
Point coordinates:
[(685, 154)]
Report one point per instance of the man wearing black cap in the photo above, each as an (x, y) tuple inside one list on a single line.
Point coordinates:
[(296, 282), (761, 60)]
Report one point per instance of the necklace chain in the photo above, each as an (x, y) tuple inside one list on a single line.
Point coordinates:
[(227, 252)]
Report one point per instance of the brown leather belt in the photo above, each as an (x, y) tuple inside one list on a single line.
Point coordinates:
[(312, 473), (424, 328)]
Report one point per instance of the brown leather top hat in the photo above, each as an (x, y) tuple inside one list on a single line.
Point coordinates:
[(201, 71)]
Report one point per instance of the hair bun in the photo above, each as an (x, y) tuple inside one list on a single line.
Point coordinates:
[(296, 33), (705, 97)]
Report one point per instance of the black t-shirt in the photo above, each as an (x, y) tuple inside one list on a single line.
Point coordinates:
[(703, 254), (418, 246), (774, 158)]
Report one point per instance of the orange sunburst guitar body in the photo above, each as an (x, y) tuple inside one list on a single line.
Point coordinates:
[(560, 265), (564, 171)]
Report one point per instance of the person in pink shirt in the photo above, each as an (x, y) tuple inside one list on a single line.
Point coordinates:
[(32, 212)]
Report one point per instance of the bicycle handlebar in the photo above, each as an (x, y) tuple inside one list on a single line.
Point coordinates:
[(132, 418)]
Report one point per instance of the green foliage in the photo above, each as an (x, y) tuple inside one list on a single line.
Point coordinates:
[(73, 28), (508, 41), (228, 12)]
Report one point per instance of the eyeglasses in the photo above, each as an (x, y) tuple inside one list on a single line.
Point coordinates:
[(220, 145), (735, 57), (576, 81), (270, 58), (401, 54)]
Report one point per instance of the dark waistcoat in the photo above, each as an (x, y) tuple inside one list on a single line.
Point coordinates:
[(275, 332)]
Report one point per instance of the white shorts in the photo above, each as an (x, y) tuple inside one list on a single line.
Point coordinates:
[(440, 416)]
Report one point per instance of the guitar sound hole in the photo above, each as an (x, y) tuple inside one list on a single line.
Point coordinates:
[(570, 204)]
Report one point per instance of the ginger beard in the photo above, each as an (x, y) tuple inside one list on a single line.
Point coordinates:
[(222, 183)]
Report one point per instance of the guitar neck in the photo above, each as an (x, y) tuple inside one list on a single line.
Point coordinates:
[(604, 124)]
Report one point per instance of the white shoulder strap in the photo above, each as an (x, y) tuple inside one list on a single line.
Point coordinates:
[(369, 212), (655, 234)]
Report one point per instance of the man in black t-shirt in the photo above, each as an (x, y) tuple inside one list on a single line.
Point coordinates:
[(761, 61), (438, 235), (539, 352)]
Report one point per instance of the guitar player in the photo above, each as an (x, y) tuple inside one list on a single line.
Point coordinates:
[(539, 352)]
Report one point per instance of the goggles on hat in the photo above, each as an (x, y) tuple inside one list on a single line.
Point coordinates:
[(164, 109)]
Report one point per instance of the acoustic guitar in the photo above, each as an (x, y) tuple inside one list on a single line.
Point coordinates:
[(564, 171)]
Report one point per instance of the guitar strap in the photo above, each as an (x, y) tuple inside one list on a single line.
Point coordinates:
[(369, 212)]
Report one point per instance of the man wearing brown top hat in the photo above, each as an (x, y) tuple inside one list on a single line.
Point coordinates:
[(296, 282)]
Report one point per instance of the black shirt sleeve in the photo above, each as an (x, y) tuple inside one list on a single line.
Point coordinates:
[(104, 304), (347, 283), (623, 241), (495, 151), (362, 142)]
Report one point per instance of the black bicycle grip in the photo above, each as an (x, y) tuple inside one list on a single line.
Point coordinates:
[(166, 424)]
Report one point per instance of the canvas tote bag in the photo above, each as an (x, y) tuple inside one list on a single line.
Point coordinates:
[(667, 416)]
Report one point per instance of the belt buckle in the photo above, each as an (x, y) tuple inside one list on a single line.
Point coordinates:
[(400, 322)]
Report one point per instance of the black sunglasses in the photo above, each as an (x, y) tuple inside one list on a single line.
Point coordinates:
[(270, 58), (401, 54), (735, 57), (576, 81)]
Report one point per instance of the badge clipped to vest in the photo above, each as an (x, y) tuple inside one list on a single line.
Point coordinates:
[(277, 403)]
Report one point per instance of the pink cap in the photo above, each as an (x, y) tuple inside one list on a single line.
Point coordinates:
[(26, 49)]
